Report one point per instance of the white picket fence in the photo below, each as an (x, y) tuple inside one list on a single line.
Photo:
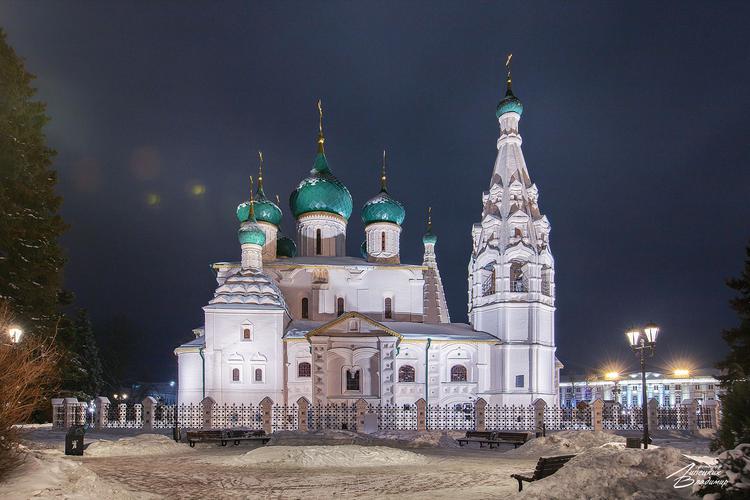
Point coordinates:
[(308, 417)]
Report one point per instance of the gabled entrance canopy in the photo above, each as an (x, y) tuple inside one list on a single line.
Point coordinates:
[(353, 324)]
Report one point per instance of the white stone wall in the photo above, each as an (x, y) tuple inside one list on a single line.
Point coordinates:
[(226, 349), (363, 289)]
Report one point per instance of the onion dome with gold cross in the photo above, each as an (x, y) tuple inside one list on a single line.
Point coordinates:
[(510, 103), (321, 191), (429, 236), (250, 231), (265, 209), (383, 207)]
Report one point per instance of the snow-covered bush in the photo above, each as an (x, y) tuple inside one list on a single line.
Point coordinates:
[(733, 480)]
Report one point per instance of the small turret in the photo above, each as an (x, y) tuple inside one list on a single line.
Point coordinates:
[(383, 216), (252, 238)]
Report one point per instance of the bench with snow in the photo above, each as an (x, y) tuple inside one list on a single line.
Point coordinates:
[(546, 466), (224, 436), (494, 438)]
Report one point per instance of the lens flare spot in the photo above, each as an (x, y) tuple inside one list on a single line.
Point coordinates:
[(197, 189), (153, 199)]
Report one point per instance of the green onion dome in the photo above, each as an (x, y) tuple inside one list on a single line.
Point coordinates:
[(363, 250), (429, 237), (286, 247), (265, 209), (383, 208), (250, 232), (321, 192), (509, 104), (243, 211)]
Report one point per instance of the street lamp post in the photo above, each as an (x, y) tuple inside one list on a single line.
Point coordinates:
[(643, 343)]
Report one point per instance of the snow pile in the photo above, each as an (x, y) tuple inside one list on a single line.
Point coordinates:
[(420, 439), (324, 456), (566, 443), (604, 473), (47, 474), (324, 437), (142, 444)]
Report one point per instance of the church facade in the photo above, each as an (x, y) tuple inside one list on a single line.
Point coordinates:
[(299, 318)]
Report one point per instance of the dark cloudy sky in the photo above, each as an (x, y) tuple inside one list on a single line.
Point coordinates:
[(635, 130)]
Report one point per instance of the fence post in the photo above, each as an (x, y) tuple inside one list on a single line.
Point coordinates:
[(717, 409), (713, 408), (597, 413), (57, 405), (70, 412), (102, 406), (360, 407), (539, 407), (149, 407), (303, 407), (691, 407), (421, 414), (207, 410), (480, 409), (653, 415), (266, 409)]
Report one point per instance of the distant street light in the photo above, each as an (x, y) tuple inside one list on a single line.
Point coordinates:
[(681, 373), (15, 334), (643, 343)]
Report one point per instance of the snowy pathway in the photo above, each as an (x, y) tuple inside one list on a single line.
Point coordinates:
[(449, 474)]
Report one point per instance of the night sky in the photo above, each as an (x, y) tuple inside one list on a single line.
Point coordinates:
[(635, 130)]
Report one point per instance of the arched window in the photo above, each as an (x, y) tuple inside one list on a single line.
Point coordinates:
[(340, 306), (382, 241), (517, 277), (259, 375), (352, 380), (303, 370), (305, 308), (406, 374), (246, 333), (458, 373), (388, 308), (235, 374), (318, 242), (488, 285)]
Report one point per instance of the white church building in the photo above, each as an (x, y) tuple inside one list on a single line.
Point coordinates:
[(299, 318)]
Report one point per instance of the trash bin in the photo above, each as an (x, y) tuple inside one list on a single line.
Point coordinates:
[(633, 442), (74, 440)]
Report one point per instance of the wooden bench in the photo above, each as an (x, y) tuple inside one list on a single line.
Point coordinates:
[(477, 437), (494, 438), (514, 438), (224, 436), (546, 466)]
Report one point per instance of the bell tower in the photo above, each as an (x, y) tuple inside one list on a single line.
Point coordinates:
[(511, 269)]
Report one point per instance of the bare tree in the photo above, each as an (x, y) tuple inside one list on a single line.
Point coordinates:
[(28, 370)]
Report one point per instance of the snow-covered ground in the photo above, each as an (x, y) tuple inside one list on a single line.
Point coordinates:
[(403, 464)]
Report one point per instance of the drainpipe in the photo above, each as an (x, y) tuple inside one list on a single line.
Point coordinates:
[(203, 372), (427, 369)]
